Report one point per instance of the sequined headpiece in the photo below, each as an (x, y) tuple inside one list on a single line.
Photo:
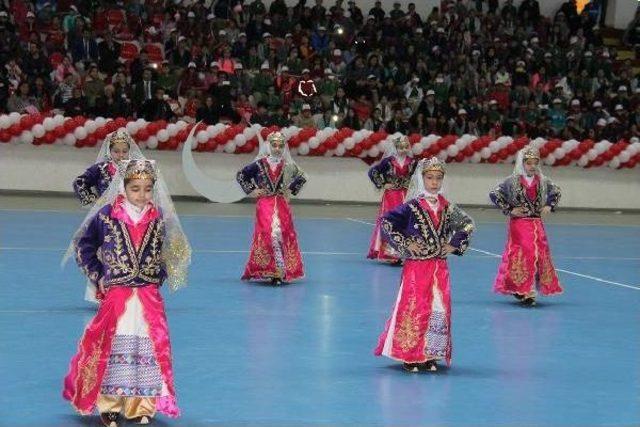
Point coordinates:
[(140, 169), (433, 164), (275, 136), (117, 137), (530, 153), (397, 141)]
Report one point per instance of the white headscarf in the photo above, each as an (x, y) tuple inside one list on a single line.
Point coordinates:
[(518, 168), (176, 250), (104, 155), (265, 148), (416, 186), (391, 148)]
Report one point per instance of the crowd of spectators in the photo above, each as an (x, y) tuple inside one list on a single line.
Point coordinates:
[(469, 67)]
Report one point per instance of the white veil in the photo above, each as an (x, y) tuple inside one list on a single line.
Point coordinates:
[(416, 185), (390, 148), (265, 149), (176, 250), (518, 168), (104, 155)]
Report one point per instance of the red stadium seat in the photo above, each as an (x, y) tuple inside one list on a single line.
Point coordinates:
[(155, 52), (115, 16), (55, 59), (129, 50)]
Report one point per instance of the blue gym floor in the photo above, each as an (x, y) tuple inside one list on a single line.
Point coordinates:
[(248, 354)]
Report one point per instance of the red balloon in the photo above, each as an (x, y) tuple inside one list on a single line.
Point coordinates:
[(142, 135), (101, 132), (459, 157), (5, 136), (36, 141), (493, 158), (60, 132), (26, 122), (49, 137), (79, 143), (69, 125), (172, 144), (15, 129), (357, 150), (91, 140)]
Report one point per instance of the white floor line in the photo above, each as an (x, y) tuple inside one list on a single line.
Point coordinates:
[(573, 273)]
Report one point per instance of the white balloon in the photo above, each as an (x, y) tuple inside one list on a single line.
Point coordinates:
[(476, 157), (163, 135), (5, 122), (442, 155), (559, 153), (38, 131), (633, 148), (374, 152), (583, 161), (614, 163), (329, 153), (494, 146), (89, 125), (592, 154), (340, 150), (131, 128), (303, 149), (47, 123), (100, 121), (240, 140), (172, 130), (230, 147), (152, 142), (26, 137), (417, 148), (485, 153), (601, 146), (202, 137), (349, 143), (69, 139), (314, 142), (625, 156), (549, 160), (453, 150), (58, 119), (14, 117), (80, 132)]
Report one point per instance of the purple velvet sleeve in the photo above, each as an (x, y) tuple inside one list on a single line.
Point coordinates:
[(87, 250), (86, 185), (247, 177), (378, 173)]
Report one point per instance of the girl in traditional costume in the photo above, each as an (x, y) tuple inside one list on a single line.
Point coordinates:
[(392, 174), (89, 186), (273, 177), (123, 364), (424, 231), (526, 197), (116, 147)]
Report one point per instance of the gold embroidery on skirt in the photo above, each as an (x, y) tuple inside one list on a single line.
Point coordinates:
[(517, 269), (260, 253), (408, 332), (546, 272), (291, 261), (89, 371)]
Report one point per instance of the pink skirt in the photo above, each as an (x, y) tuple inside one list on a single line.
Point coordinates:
[(87, 369), (379, 249), (274, 251), (420, 325), (526, 262)]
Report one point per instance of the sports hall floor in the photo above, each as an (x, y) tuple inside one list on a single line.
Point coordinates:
[(253, 355)]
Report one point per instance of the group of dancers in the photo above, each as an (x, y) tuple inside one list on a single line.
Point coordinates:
[(131, 242)]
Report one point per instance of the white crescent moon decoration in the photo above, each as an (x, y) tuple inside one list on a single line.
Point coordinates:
[(216, 190)]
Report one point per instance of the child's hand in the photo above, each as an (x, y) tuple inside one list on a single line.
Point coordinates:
[(446, 250), (545, 211), (520, 211)]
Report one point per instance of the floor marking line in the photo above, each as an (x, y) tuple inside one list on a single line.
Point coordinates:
[(573, 273)]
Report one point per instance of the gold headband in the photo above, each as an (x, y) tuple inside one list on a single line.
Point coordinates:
[(275, 137), (530, 153), (433, 164), (118, 137), (140, 169)]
